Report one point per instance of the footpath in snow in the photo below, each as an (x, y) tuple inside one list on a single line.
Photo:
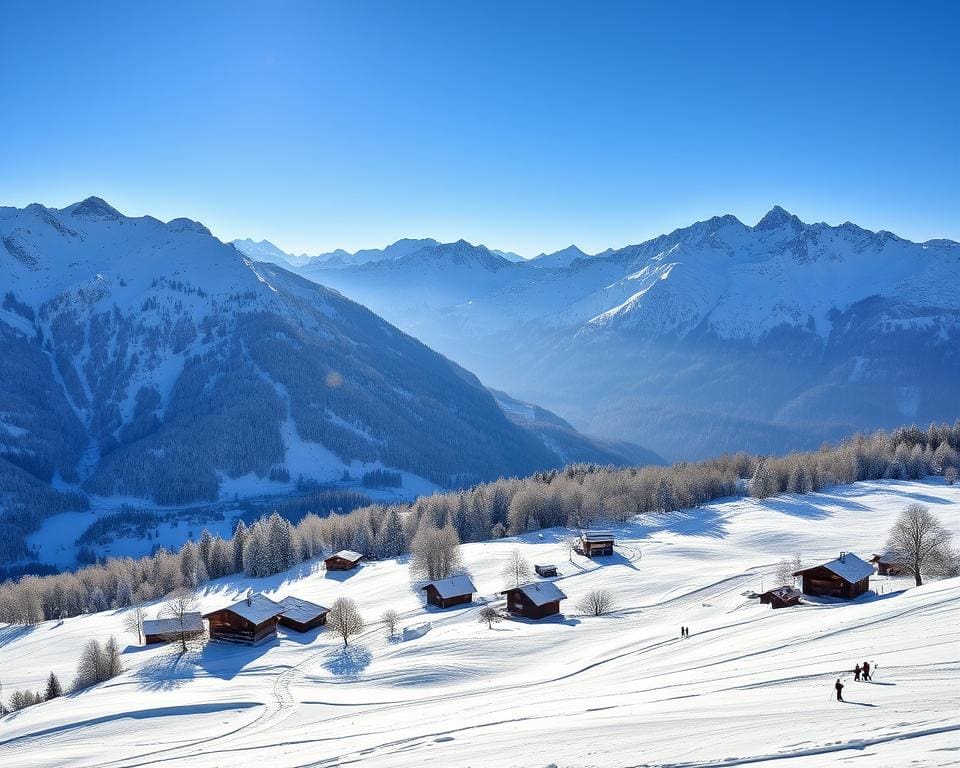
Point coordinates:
[(750, 686)]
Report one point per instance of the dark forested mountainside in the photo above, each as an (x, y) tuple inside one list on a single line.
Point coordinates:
[(149, 360)]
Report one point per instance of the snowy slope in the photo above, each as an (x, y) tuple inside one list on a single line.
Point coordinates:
[(751, 686), (717, 336)]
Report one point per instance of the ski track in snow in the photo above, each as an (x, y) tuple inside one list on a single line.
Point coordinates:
[(623, 690)]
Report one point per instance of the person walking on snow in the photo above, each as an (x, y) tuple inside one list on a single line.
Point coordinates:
[(839, 686), (856, 674), (866, 671)]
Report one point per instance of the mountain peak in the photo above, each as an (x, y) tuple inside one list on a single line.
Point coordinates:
[(777, 218), (94, 208)]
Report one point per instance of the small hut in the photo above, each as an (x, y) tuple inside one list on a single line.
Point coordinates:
[(545, 570), (170, 629), (596, 543), (887, 563), (250, 621), (344, 560), (455, 590), (534, 601), (846, 577), (781, 597), (302, 615)]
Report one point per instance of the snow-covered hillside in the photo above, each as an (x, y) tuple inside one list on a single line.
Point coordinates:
[(804, 332), (150, 361), (750, 686)]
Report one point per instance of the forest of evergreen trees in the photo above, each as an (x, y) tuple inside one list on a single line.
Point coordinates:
[(578, 496)]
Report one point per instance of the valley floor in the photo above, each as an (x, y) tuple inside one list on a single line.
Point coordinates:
[(750, 686)]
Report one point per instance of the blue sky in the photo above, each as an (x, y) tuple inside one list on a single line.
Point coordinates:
[(522, 125)]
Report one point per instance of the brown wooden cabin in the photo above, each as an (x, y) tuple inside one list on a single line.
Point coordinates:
[(544, 570), (302, 615), (534, 601), (846, 577), (781, 597), (596, 543), (250, 621), (455, 590), (886, 564), (344, 560), (170, 629)]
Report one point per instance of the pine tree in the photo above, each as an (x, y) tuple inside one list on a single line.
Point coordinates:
[(54, 689), (205, 549), (239, 546)]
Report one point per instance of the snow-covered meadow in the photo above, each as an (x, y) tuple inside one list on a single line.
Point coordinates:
[(751, 686)]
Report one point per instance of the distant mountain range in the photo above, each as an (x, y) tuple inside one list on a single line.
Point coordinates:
[(148, 360), (717, 336)]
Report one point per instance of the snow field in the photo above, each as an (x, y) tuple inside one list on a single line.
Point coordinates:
[(751, 686)]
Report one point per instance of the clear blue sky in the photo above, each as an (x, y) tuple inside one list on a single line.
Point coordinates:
[(522, 125)]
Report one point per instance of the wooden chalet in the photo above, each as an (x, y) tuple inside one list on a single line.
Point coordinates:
[(534, 601), (544, 570), (781, 597), (455, 590), (886, 563), (170, 629), (846, 577), (302, 615), (596, 543), (344, 560), (250, 621)]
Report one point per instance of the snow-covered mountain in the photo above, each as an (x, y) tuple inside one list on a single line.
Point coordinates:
[(264, 250), (559, 259), (149, 360), (716, 336)]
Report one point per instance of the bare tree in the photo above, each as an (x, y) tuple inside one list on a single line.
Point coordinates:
[(344, 619), (570, 544), (950, 475), (435, 551), (786, 568), (97, 663), (133, 622), (490, 616), (390, 619), (516, 570), (179, 610), (920, 543), (597, 602)]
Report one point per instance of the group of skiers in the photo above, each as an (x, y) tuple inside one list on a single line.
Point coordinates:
[(860, 672), (684, 632)]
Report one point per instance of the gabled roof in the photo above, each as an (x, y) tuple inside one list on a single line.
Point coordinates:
[(848, 567), (192, 622), (300, 610), (453, 586), (259, 609), (596, 535), (888, 557), (784, 593), (347, 554), (540, 593)]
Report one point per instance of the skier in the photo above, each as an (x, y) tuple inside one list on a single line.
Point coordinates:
[(683, 632), (866, 671), (839, 686), (856, 674)]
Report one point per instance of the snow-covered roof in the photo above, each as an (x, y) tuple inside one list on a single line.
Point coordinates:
[(300, 610), (889, 557), (541, 593), (848, 567), (784, 593), (192, 622), (347, 554), (256, 608), (596, 535), (453, 586)]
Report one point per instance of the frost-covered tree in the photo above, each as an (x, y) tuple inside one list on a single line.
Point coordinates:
[(390, 538), (344, 619), (920, 543), (97, 601), (435, 552), (239, 546), (390, 618), (489, 615), (178, 610), (133, 622), (516, 570), (597, 602)]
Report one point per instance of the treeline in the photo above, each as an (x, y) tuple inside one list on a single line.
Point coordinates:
[(578, 496)]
